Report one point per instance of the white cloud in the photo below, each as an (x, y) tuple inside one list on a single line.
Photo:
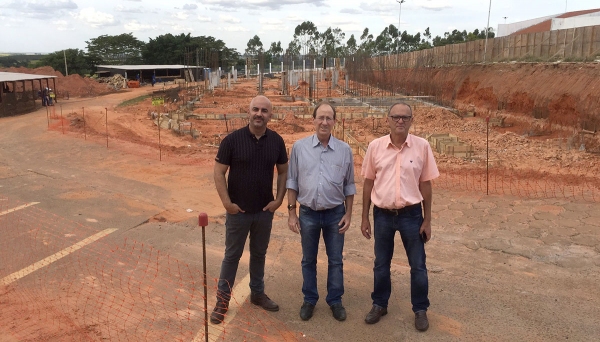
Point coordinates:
[(273, 27), (62, 25), (177, 27), (350, 11), (135, 25), (379, 6), (295, 18), (234, 29), (228, 19), (190, 6), (95, 18), (121, 8), (265, 21), (180, 15), (12, 22), (262, 4), (39, 8), (204, 18)]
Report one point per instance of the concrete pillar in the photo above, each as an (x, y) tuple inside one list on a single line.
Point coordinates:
[(293, 65), (270, 71), (260, 80), (228, 81), (246, 70), (281, 66), (314, 63)]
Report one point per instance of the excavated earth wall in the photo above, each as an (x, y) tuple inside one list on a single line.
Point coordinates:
[(564, 93)]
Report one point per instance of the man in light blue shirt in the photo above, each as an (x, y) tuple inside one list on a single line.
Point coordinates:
[(321, 179)]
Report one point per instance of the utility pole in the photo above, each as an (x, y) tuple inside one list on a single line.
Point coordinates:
[(400, 14), (65, 55), (487, 30)]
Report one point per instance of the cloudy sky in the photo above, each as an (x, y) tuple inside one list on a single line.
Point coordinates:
[(53, 25)]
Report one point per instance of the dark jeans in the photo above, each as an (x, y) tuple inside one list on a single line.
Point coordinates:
[(258, 225), (407, 222), (311, 224)]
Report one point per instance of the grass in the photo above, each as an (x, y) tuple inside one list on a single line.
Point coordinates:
[(133, 101)]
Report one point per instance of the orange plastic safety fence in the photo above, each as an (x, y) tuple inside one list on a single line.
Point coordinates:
[(111, 289)]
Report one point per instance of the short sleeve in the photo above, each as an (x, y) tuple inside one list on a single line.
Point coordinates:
[(282, 158), (225, 152)]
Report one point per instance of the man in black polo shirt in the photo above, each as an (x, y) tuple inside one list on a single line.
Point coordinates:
[(249, 154)]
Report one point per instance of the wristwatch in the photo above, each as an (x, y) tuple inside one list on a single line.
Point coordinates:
[(291, 206)]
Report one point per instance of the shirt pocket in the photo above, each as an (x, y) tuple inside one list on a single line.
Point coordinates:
[(337, 174)]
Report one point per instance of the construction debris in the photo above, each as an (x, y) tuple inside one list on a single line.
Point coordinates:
[(116, 82)]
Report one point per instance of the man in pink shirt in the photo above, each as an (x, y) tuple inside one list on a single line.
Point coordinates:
[(398, 170)]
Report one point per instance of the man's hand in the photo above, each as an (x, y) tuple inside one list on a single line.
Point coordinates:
[(345, 223), (293, 222), (233, 208), (426, 228), (365, 228), (272, 206)]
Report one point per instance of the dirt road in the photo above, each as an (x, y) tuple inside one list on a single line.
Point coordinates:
[(500, 268)]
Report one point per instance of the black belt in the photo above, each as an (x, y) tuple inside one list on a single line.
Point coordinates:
[(396, 212)]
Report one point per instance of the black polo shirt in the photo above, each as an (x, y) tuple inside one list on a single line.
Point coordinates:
[(251, 166)]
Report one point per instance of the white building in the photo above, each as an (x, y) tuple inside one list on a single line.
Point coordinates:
[(550, 23)]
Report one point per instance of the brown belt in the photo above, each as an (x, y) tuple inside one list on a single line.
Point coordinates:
[(396, 212)]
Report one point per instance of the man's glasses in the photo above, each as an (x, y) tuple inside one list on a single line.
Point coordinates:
[(324, 118), (398, 117)]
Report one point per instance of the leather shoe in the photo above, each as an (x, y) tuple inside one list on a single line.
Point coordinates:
[(339, 312), (421, 321), (375, 314), (262, 300), (218, 314), (306, 311)]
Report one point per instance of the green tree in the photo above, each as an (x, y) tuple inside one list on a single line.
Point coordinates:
[(367, 44), (121, 49), (331, 42), (166, 49), (78, 62), (274, 53), (457, 36), (170, 49), (293, 48), (385, 43), (254, 46), (351, 46), (275, 49), (307, 36)]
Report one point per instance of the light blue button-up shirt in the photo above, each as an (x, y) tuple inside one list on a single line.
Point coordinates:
[(322, 176)]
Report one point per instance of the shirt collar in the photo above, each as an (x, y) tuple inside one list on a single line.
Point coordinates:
[(332, 141), (252, 135), (408, 140)]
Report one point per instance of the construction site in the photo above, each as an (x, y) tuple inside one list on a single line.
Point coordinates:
[(515, 251)]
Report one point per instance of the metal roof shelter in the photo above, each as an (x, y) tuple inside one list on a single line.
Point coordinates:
[(167, 71), (18, 91)]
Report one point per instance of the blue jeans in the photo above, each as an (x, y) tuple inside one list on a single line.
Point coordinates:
[(407, 222), (311, 224), (238, 226)]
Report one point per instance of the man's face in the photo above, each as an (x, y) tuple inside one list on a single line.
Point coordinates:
[(260, 112), (400, 119), (324, 120)]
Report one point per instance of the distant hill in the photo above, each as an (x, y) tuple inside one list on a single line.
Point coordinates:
[(8, 60)]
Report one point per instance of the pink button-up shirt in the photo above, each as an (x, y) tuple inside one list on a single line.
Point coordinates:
[(397, 172)]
